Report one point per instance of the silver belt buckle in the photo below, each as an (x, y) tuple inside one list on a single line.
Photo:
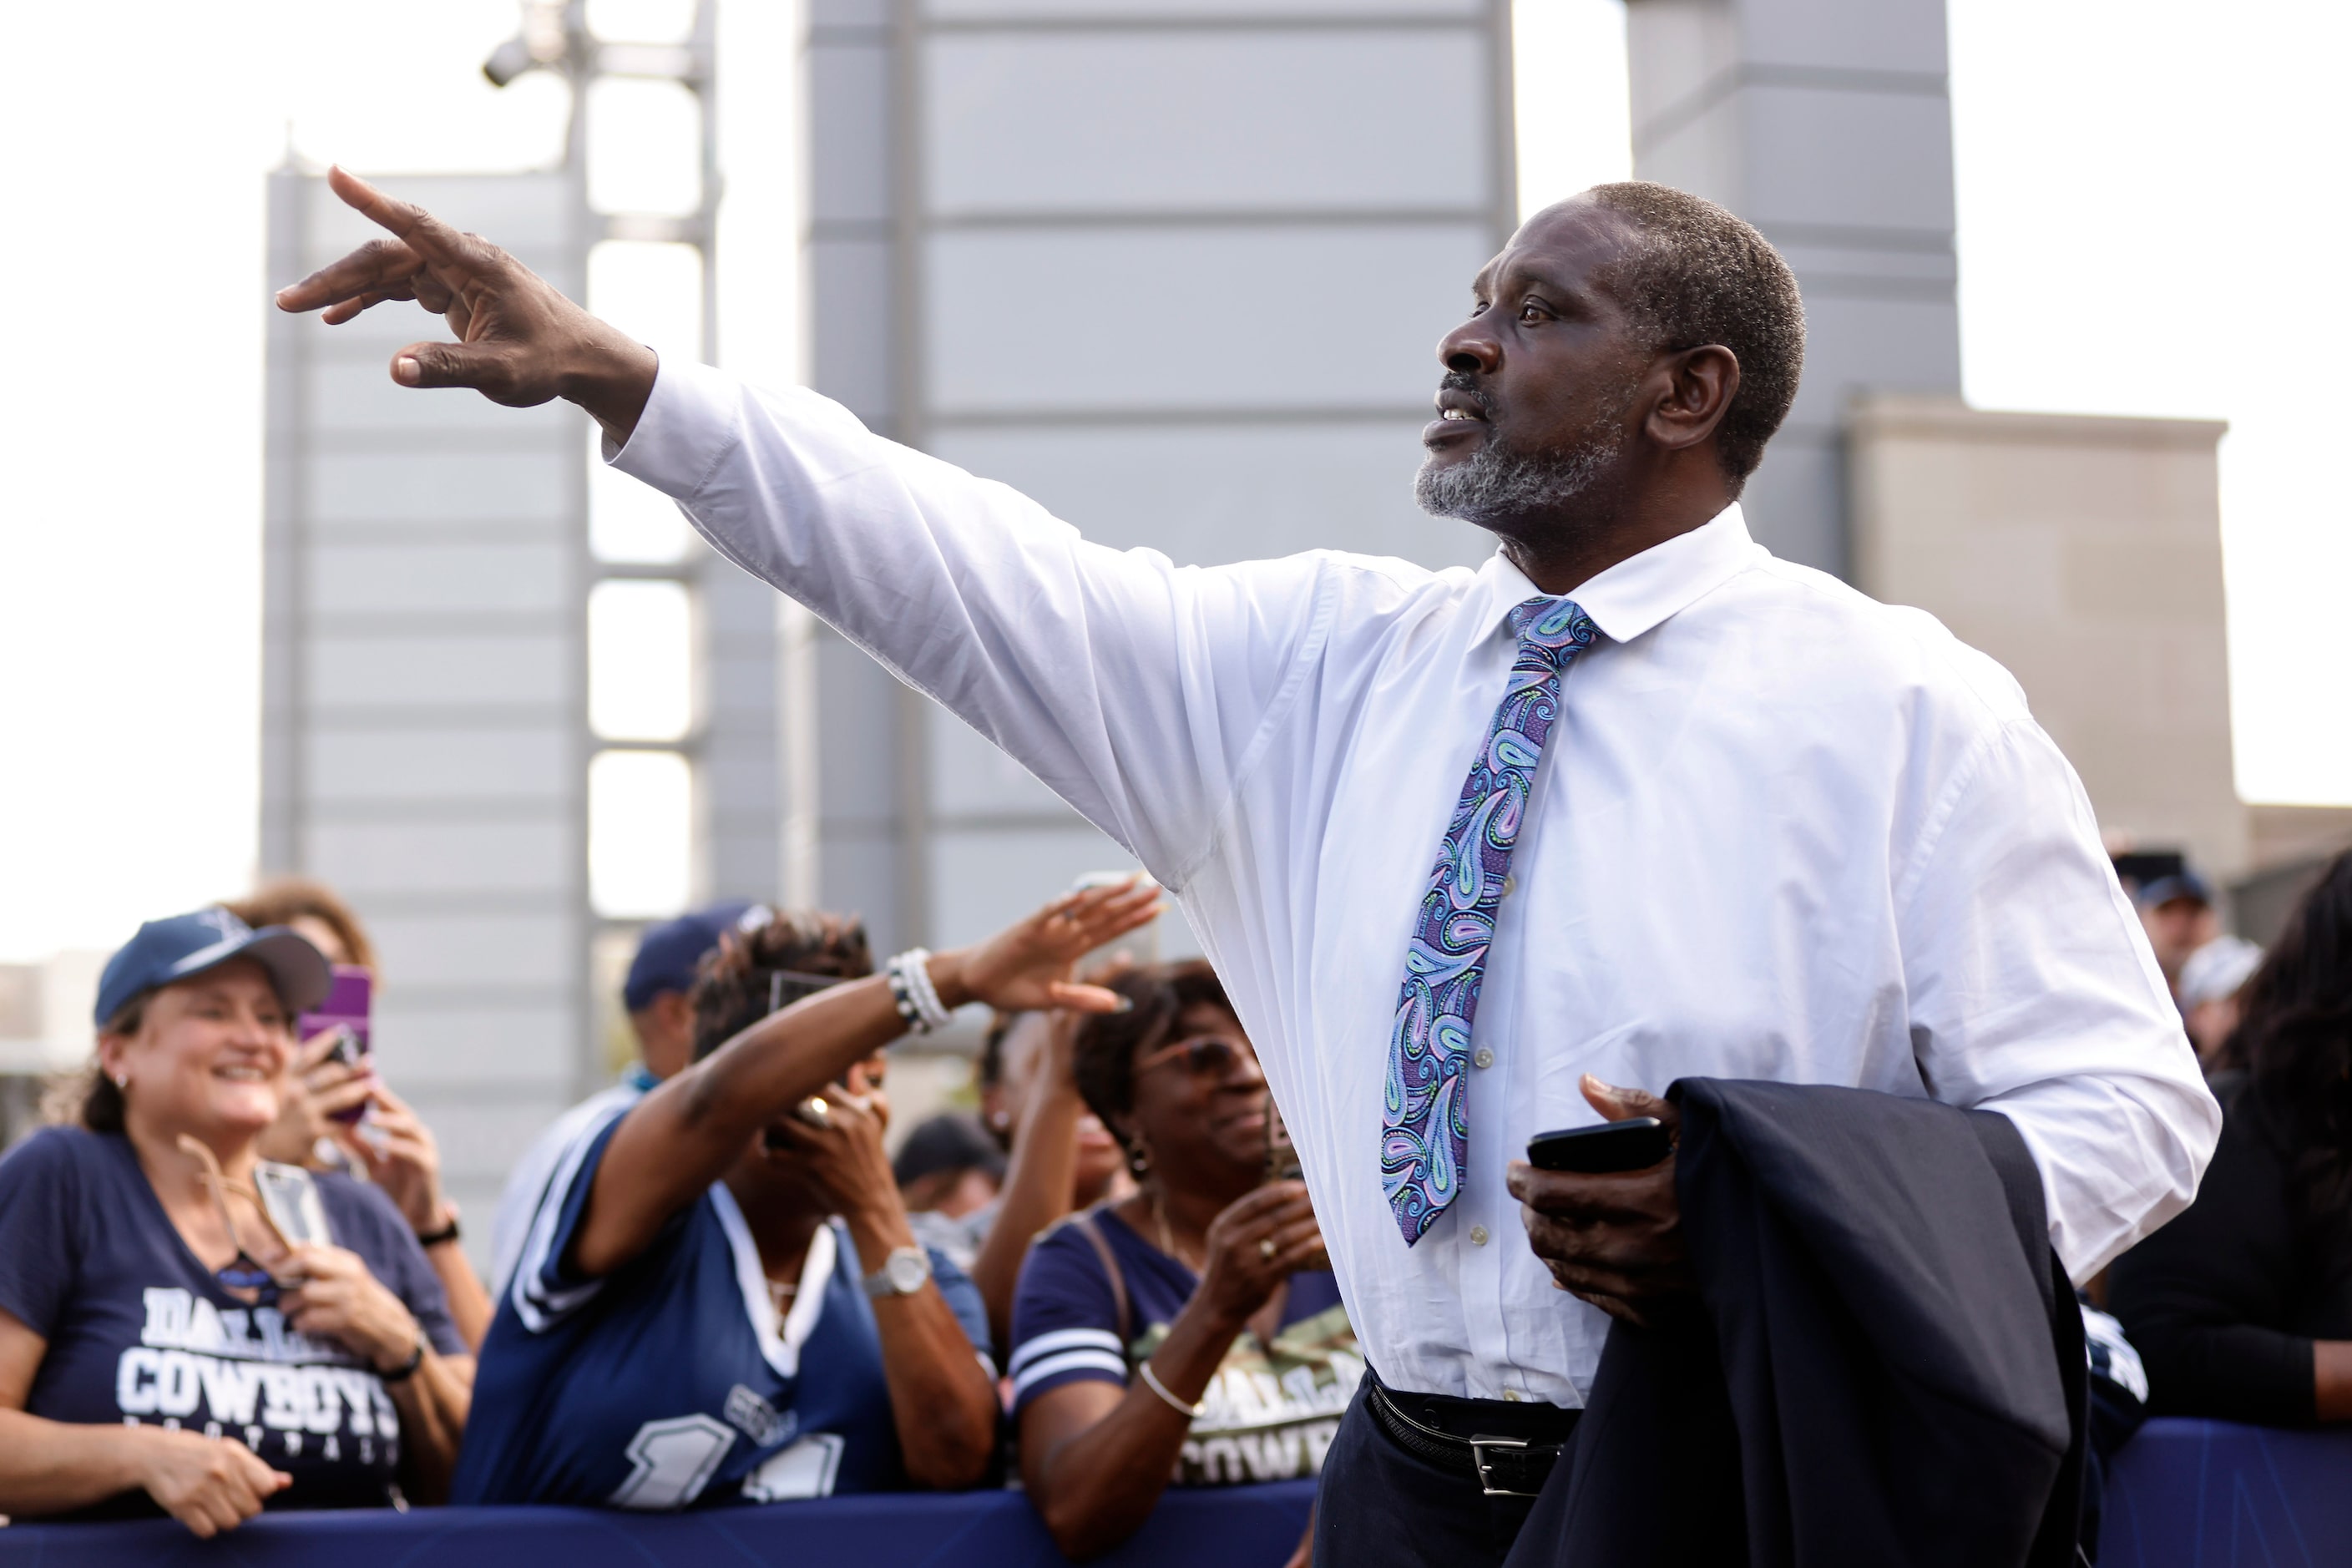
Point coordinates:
[(1478, 1446)]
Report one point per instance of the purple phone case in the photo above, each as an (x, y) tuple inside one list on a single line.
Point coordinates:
[(347, 1003)]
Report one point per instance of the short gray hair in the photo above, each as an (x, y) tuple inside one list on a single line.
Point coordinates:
[(1697, 274)]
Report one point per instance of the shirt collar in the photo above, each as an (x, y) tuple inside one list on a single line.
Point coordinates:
[(1641, 591)]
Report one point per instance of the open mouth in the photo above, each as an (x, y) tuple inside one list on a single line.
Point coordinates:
[(1459, 412)]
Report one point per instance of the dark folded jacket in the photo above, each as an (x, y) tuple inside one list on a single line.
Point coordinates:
[(1884, 1366)]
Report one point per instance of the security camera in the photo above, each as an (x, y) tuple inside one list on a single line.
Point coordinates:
[(508, 61)]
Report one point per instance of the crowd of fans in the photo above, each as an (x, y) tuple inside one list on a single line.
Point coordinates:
[(230, 1280)]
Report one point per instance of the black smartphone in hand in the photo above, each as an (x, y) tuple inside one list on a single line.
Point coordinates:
[(1281, 1154), (1636, 1143)]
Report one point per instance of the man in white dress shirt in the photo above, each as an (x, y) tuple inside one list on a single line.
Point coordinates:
[(1777, 830)]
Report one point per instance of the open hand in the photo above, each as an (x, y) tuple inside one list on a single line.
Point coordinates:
[(1614, 1240), (1028, 965), (519, 341)]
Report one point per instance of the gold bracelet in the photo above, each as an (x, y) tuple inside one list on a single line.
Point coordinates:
[(1152, 1381)]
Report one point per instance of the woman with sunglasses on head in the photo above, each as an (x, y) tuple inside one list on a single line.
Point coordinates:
[(177, 1330), (1193, 1331), (721, 1300)]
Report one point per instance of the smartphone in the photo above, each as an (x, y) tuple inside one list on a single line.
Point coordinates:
[(1635, 1144), (345, 1010), (292, 1200), (1281, 1154)]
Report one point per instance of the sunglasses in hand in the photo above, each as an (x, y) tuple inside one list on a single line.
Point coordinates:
[(241, 1272)]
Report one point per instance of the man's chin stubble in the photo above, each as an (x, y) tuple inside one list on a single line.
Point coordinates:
[(1494, 489)]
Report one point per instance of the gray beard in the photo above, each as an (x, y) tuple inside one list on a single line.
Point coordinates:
[(1496, 486)]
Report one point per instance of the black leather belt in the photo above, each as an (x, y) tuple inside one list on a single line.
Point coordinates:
[(1502, 1466)]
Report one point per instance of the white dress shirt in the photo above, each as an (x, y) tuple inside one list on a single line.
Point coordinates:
[(1779, 831)]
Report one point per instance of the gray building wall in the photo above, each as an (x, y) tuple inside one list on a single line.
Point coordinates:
[(424, 725), (1827, 124), (1178, 270)]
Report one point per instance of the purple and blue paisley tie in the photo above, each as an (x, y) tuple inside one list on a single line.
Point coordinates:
[(1425, 1134)]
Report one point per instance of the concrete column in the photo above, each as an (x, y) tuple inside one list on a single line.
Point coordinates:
[(1827, 124)]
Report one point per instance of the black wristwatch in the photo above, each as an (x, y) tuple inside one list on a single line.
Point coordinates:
[(447, 1233), (406, 1369)]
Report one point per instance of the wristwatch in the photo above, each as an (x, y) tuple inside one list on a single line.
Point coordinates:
[(902, 1273)]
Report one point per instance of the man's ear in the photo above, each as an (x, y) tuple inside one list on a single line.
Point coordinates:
[(1700, 384)]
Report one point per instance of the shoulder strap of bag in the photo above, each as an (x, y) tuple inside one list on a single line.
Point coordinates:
[(1084, 1224)]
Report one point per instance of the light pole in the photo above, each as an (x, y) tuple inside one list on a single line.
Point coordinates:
[(555, 36)]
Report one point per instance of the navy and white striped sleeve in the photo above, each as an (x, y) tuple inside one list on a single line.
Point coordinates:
[(1065, 1319), (543, 1292)]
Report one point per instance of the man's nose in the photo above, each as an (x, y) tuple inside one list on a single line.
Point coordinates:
[(1470, 349)]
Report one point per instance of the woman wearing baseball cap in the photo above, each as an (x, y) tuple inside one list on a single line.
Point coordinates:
[(188, 1329)]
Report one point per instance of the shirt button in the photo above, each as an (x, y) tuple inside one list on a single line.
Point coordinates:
[(1483, 1057), (1477, 1235), (1510, 886), (1511, 1395)]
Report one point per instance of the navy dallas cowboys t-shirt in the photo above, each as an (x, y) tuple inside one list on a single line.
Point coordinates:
[(140, 1333), (671, 1383)]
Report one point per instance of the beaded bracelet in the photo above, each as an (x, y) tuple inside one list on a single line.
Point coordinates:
[(912, 994), (927, 995), (901, 998)]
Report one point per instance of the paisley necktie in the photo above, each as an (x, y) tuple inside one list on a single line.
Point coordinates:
[(1424, 1134)]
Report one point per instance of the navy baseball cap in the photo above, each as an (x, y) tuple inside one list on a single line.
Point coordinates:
[(669, 953), (172, 950), (951, 1141), (2181, 884)]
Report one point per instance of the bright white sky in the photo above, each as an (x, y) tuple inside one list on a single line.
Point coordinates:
[(2150, 209)]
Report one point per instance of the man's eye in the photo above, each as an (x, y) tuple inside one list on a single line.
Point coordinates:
[(1531, 314)]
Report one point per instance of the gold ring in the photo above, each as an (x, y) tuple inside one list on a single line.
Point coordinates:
[(1265, 1248)]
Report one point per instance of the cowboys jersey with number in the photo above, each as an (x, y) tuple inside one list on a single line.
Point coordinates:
[(672, 1382)]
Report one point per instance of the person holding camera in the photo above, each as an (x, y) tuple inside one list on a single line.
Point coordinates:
[(335, 1113), (184, 1327), (719, 1298), (1194, 1330)]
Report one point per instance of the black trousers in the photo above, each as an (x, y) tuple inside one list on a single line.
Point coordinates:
[(1382, 1507)]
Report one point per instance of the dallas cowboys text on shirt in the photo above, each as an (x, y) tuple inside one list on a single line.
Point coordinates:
[(243, 1372)]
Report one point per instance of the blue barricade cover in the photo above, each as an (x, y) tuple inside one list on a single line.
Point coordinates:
[(2185, 1494), (2209, 1494), (1231, 1527)]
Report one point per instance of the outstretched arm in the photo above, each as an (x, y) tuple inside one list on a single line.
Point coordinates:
[(683, 1136), (1134, 689)]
